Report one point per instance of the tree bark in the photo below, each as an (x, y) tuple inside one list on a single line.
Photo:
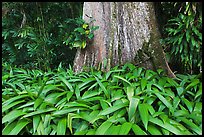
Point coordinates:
[(128, 33)]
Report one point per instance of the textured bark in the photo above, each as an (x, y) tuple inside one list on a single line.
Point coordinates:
[(128, 33)]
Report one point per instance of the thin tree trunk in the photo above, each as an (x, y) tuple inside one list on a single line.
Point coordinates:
[(128, 33)]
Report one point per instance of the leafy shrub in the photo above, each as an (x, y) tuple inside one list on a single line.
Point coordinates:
[(81, 34), (125, 100), (184, 38)]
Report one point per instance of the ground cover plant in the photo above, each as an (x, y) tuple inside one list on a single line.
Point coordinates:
[(125, 100)]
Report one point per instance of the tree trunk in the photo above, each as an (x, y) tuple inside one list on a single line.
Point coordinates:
[(128, 33)]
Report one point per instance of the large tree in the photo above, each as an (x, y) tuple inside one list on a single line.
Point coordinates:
[(128, 33)]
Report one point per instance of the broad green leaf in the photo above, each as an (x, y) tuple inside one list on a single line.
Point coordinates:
[(143, 83), (144, 115), (137, 130), (37, 102), (7, 129), (26, 105), (7, 102), (113, 130), (188, 104), (65, 81), (89, 94), (69, 95), (176, 101), (107, 75), (12, 115), (70, 116), (19, 126), (119, 77), (39, 112), (157, 113), (191, 125), (103, 87), (91, 132), (6, 107), (125, 128), (132, 108), (164, 118), (113, 108), (103, 128), (199, 92), (166, 125), (47, 120), (61, 126), (198, 107), (153, 130), (40, 129), (77, 92), (130, 92), (104, 104), (164, 100), (36, 121), (194, 82), (86, 82)]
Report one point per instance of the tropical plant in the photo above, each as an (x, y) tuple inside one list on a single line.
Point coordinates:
[(125, 100), (81, 34), (184, 38)]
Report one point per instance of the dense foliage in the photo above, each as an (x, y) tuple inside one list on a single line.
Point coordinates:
[(40, 97), (34, 38), (183, 36), (125, 100)]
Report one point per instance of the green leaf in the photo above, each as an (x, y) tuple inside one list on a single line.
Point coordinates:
[(83, 44), (94, 28), (199, 92), (66, 83), (176, 101), (102, 87), (119, 77), (164, 100), (91, 35), (7, 102), (12, 115), (36, 121), (132, 108), (137, 130), (191, 125), (113, 108), (166, 125), (130, 92), (188, 104), (39, 112), (19, 126), (103, 128), (143, 83), (8, 128), (4, 108), (153, 130), (61, 126), (113, 130), (37, 102), (144, 115), (194, 82), (125, 128)]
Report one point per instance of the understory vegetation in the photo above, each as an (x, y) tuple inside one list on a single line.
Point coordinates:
[(126, 100), (42, 95)]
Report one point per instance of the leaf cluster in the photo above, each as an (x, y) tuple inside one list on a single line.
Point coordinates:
[(125, 100), (184, 37), (83, 33)]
